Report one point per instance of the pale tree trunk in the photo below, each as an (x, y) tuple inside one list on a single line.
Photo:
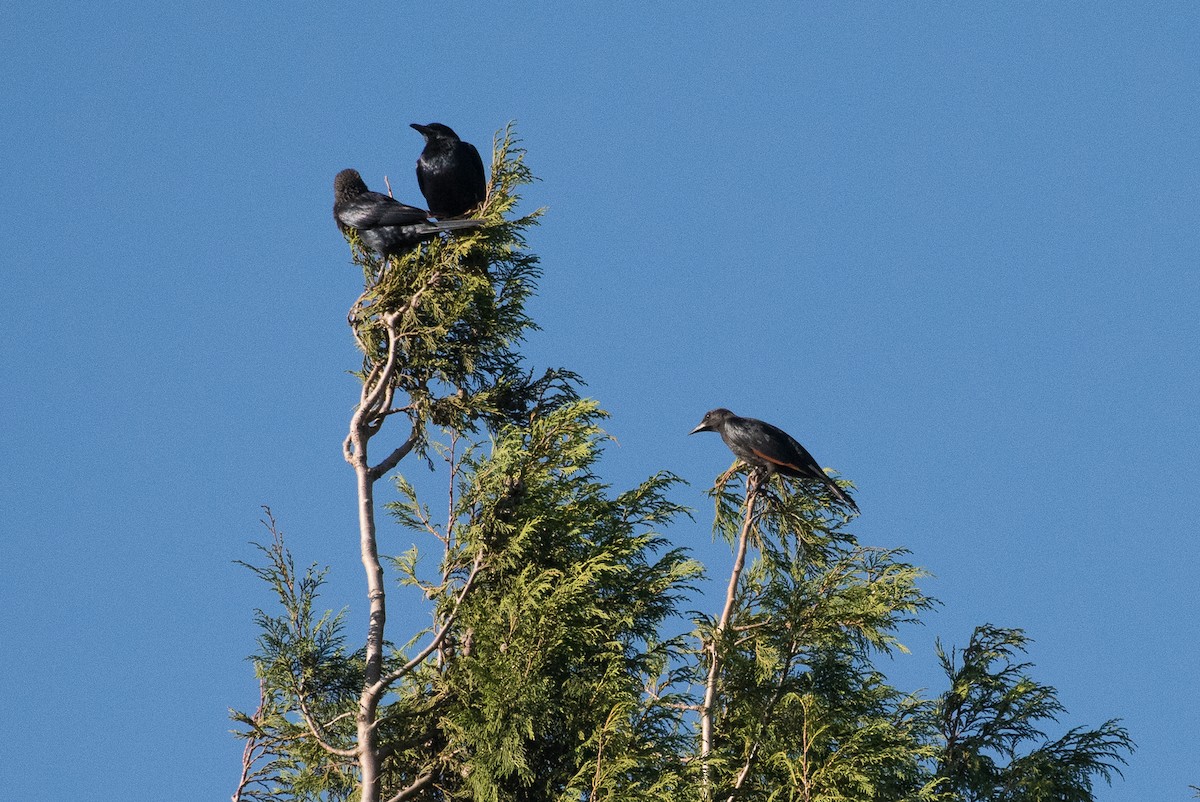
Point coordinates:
[(707, 709), (373, 408)]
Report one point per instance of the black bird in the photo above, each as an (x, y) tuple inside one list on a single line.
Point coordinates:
[(449, 172), (385, 225), (768, 448)]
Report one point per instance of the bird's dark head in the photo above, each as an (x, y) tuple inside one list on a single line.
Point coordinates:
[(435, 131), (348, 184), (713, 420)]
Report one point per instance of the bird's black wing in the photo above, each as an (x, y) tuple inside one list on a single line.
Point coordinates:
[(806, 466), (474, 168), (375, 210), (756, 440), (779, 448)]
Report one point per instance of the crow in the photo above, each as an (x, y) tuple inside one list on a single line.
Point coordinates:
[(385, 225), (768, 448), (449, 172)]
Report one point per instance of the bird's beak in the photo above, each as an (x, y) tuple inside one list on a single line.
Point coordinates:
[(700, 428), (419, 127)]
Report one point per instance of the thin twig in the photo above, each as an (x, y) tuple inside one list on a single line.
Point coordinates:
[(451, 481), (379, 687), (312, 728), (254, 746), (764, 720)]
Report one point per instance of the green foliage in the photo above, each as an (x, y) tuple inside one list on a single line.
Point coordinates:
[(993, 710), (549, 671), (301, 664), (554, 649), (801, 713), (459, 312)]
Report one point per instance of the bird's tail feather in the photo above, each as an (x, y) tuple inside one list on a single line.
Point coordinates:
[(456, 225), (840, 494)]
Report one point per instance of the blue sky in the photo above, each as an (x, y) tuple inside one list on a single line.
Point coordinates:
[(950, 247)]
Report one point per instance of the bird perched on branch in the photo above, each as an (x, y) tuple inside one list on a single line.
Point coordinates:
[(449, 172), (768, 449), (384, 224)]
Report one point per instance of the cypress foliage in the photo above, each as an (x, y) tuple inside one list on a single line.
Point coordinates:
[(544, 685), (993, 712), (800, 712), (558, 664)]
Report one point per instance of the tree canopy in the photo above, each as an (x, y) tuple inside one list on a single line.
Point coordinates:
[(562, 661)]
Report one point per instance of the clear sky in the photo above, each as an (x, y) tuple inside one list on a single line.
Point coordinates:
[(950, 247)]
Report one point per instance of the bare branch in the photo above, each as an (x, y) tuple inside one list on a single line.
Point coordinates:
[(379, 687), (394, 458), (339, 717), (749, 627), (451, 481), (254, 746), (680, 706), (311, 723), (714, 665), (377, 394), (379, 380), (419, 783)]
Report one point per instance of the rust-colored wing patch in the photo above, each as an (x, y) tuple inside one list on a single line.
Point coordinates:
[(774, 461)]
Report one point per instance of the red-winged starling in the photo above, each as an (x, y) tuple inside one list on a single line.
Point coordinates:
[(768, 448)]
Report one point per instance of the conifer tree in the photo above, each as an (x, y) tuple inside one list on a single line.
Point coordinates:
[(557, 664), (991, 715), (794, 708), (551, 590)]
